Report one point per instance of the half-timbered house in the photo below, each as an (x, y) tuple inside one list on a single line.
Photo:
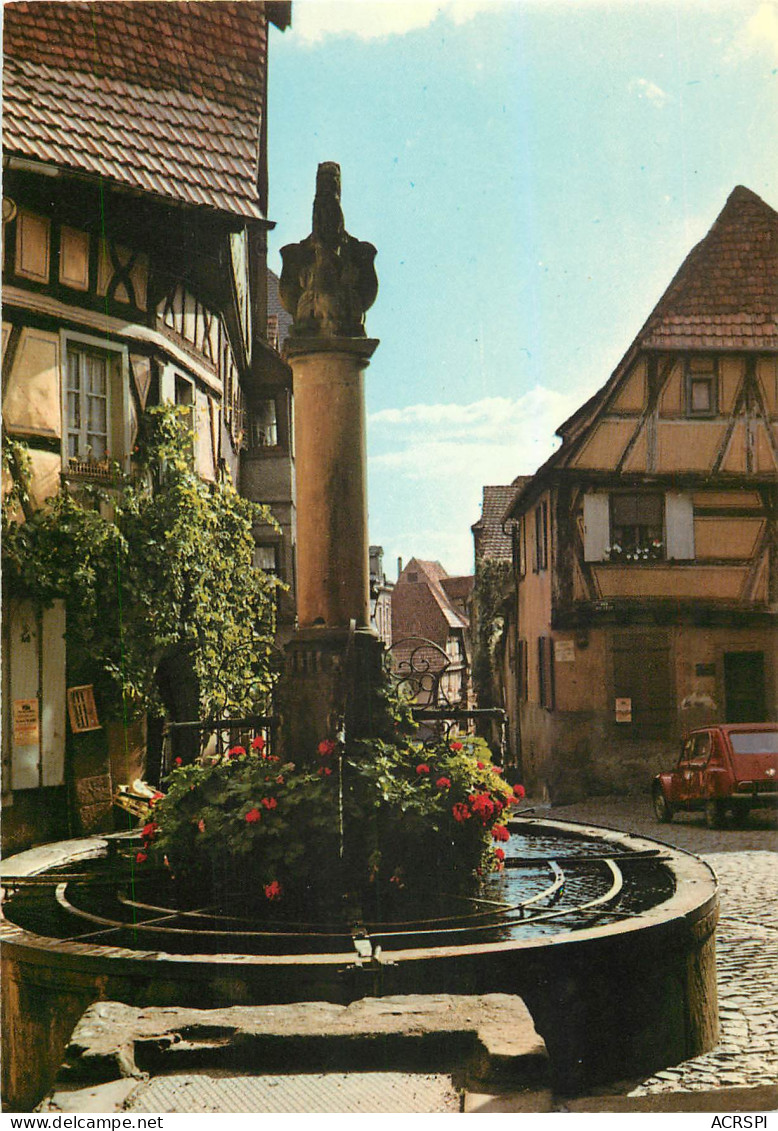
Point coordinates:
[(135, 226), (646, 547)]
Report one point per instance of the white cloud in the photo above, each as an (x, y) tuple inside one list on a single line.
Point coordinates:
[(432, 462), (761, 31), (314, 20), (654, 94)]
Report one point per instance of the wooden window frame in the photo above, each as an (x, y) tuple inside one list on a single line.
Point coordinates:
[(645, 533), (546, 674), (708, 375), (118, 402), (541, 537)]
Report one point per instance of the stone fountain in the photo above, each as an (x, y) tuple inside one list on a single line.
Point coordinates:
[(608, 938)]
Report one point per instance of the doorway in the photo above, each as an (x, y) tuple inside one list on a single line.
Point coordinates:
[(744, 687)]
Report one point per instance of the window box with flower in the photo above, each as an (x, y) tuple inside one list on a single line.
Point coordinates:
[(653, 551)]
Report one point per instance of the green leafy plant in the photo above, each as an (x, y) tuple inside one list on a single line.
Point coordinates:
[(378, 823), (491, 578), (155, 569)]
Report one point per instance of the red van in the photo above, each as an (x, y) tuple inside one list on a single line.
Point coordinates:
[(733, 766)]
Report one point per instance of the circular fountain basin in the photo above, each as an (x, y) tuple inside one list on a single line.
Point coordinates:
[(608, 938)]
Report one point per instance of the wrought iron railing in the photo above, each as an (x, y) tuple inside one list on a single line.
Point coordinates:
[(423, 674), (217, 736)]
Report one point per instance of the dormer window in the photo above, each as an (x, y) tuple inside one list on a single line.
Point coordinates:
[(701, 387)]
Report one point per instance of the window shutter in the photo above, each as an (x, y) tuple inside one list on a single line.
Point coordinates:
[(596, 527), (167, 385), (679, 521)]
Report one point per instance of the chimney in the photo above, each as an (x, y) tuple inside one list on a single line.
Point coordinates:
[(399, 567)]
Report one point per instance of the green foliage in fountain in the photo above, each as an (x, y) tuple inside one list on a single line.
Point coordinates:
[(382, 823)]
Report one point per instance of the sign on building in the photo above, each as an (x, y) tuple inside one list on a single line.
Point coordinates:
[(623, 710)]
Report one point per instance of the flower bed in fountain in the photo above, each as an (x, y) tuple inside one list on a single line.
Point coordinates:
[(378, 823)]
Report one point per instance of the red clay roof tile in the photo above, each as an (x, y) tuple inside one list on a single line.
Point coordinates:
[(150, 93)]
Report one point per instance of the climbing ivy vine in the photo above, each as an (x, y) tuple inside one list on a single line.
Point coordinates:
[(154, 567), (491, 577)]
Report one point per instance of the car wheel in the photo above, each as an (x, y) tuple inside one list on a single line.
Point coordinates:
[(663, 810), (714, 813)]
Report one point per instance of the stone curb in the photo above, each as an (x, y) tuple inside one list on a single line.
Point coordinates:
[(762, 1098)]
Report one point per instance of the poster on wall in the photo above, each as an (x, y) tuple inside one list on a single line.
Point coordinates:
[(623, 710), (26, 722)]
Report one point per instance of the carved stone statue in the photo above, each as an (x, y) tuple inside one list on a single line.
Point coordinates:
[(328, 280)]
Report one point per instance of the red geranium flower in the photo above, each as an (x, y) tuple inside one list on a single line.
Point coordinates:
[(269, 802), (140, 857), (280, 779), (327, 747), (252, 816), (443, 783), (273, 890), (149, 831), (461, 812), (499, 853), (179, 761), (496, 769), (258, 743), (271, 757), (519, 790), (324, 771), (482, 804), (201, 825), (155, 797), (481, 765), (456, 746), (499, 832), (422, 768), (236, 751)]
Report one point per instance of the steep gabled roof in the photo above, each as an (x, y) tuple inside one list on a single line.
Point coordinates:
[(420, 607), (162, 96), (725, 294), (723, 297)]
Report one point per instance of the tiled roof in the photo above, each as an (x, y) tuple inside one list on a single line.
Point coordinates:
[(491, 541), (275, 308), (421, 607), (725, 295), (458, 588), (165, 97)]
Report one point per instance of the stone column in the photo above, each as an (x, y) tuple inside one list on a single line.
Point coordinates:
[(330, 463), (327, 283)]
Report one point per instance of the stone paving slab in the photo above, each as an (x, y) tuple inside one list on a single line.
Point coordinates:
[(475, 1036), (341, 1093)]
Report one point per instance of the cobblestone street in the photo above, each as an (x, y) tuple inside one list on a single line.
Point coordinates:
[(746, 864)]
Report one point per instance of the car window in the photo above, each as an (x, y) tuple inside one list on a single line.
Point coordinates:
[(686, 750), (701, 747), (754, 741)]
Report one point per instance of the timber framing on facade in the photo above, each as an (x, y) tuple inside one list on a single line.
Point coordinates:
[(134, 273), (646, 548)]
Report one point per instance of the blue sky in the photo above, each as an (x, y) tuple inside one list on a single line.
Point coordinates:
[(532, 175)]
